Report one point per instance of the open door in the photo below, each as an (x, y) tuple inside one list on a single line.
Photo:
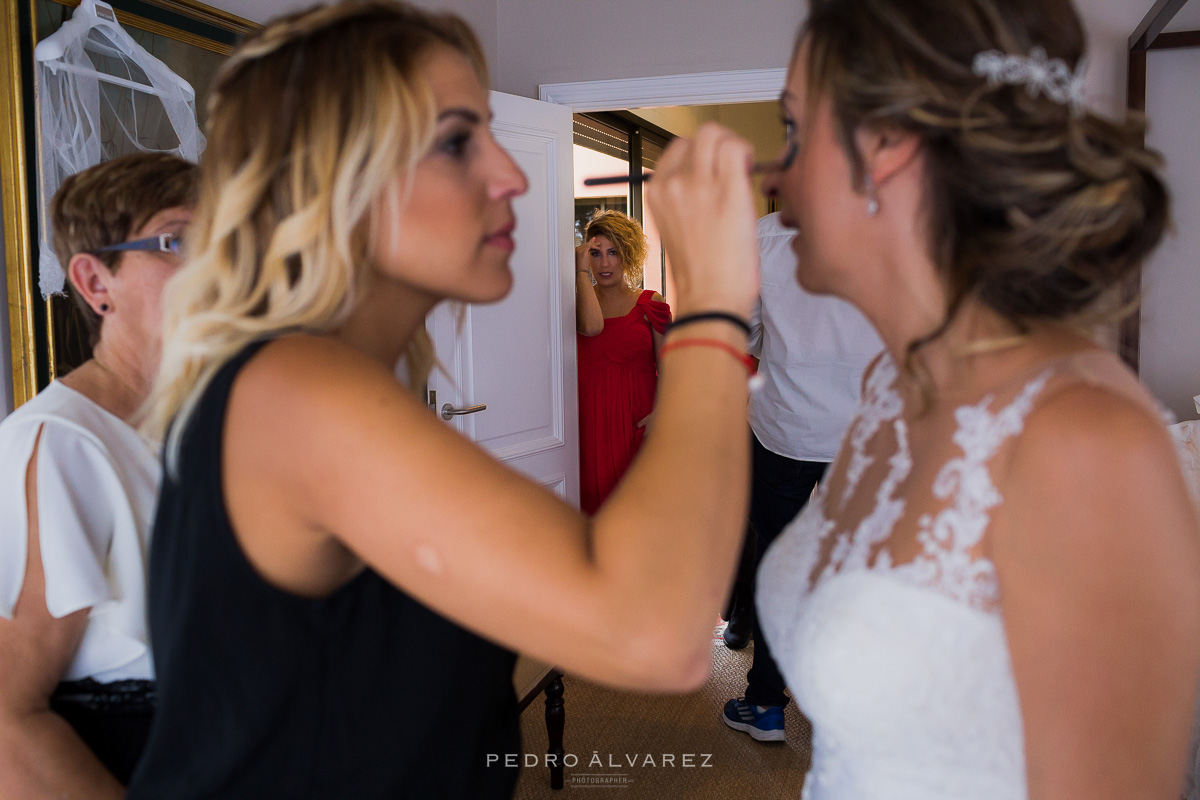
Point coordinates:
[(517, 357)]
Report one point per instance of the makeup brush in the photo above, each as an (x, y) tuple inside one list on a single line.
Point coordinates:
[(777, 165)]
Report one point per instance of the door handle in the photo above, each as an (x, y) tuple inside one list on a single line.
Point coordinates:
[(449, 411)]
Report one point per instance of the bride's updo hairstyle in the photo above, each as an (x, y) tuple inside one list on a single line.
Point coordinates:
[(1033, 204), (310, 121)]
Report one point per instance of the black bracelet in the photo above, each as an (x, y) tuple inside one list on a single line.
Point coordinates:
[(702, 316)]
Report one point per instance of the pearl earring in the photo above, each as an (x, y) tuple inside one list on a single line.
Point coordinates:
[(872, 198)]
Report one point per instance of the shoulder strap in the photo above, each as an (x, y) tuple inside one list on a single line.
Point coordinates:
[(208, 418)]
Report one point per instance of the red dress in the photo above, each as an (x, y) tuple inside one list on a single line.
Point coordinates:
[(618, 378)]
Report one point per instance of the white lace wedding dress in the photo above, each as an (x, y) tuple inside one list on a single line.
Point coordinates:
[(884, 612)]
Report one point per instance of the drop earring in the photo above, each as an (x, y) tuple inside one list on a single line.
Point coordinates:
[(872, 197)]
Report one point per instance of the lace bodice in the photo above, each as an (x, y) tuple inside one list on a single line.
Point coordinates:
[(883, 609)]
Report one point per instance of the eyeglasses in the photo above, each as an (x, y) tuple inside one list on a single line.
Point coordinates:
[(163, 243)]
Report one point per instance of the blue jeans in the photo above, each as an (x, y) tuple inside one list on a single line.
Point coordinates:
[(779, 489)]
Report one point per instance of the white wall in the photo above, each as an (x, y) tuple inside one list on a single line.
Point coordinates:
[(552, 41), (530, 42), (1170, 332), (1109, 24), (556, 41), (481, 14)]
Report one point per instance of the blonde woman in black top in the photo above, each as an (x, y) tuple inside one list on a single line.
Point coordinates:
[(317, 524)]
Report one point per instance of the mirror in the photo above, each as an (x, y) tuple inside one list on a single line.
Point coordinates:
[(47, 336)]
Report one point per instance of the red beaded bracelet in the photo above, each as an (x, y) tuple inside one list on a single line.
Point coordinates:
[(746, 360)]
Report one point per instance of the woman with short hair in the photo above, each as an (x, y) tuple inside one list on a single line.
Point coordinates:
[(337, 576), (78, 485)]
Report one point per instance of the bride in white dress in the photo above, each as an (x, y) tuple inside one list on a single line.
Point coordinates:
[(995, 593)]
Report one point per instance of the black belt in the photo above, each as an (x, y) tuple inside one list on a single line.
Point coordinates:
[(132, 696)]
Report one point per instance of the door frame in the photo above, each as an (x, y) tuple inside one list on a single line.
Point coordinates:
[(691, 89)]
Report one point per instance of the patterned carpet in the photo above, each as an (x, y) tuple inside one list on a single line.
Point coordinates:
[(606, 730)]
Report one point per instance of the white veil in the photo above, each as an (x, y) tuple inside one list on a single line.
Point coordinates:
[(101, 95)]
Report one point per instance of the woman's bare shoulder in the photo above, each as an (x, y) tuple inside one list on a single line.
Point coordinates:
[(304, 392), (308, 418), (1097, 550), (1094, 429), (311, 368), (1094, 472), (307, 352)]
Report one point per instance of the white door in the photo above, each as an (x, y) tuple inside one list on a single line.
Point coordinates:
[(517, 356)]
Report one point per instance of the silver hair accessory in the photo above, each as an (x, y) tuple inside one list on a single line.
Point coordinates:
[(1037, 73)]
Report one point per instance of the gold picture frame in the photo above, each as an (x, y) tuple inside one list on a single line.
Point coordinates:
[(192, 34)]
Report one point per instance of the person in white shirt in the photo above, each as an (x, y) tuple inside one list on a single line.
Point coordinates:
[(812, 351), (78, 485)]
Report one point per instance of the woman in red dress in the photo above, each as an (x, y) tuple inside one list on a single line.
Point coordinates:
[(620, 329)]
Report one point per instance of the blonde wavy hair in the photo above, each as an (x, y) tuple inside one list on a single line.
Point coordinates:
[(310, 120), (627, 236)]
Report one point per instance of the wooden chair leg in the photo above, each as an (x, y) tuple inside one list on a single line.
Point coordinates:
[(555, 717)]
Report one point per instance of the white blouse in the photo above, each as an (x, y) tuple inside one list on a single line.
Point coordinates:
[(812, 350), (97, 483)]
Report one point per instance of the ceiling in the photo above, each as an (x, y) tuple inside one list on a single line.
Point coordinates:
[(1107, 17), (1111, 14), (1188, 19)]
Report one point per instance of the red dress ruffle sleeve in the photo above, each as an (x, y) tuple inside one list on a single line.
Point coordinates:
[(656, 312)]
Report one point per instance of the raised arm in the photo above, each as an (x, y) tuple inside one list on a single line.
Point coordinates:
[(1098, 557), (589, 319), (627, 597), (41, 756)]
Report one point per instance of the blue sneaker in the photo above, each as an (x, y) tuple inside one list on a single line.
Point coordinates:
[(763, 726)]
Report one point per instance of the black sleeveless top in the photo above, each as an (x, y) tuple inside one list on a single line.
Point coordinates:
[(265, 694)]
